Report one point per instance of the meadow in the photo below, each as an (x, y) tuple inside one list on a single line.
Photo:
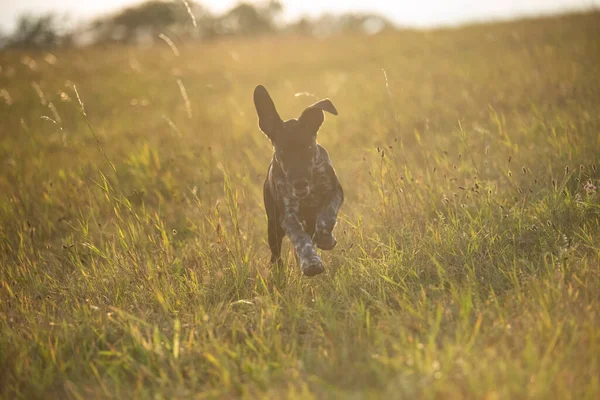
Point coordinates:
[(133, 247)]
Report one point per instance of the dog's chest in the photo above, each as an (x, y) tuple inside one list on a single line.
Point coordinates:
[(319, 190), (313, 200)]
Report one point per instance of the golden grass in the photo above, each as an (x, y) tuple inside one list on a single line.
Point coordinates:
[(133, 245)]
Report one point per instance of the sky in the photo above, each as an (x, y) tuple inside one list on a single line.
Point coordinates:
[(416, 13)]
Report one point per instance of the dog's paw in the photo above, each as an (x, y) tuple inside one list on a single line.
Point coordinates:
[(313, 266), (325, 241)]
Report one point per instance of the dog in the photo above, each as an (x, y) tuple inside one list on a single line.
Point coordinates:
[(302, 193)]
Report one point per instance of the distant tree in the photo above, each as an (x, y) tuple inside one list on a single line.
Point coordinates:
[(329, 24), (302, 26), (41, 31), (151, 18), (248, 19), (148, 20), (364, 23)]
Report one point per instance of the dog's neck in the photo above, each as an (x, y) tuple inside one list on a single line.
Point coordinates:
[(318, 164)]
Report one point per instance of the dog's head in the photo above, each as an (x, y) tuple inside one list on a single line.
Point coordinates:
[(294, 140)]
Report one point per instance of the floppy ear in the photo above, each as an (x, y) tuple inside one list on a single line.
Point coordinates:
[(313, 116), (268, 118)]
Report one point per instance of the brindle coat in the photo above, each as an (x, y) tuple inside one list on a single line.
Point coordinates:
[(302, 193)]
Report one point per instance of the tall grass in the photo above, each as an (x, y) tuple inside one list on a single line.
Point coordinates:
[(133, 245)]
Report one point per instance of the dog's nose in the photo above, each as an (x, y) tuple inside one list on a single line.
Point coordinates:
[(300, 185)]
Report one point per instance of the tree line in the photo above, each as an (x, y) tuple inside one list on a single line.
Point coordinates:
[(148, 21)]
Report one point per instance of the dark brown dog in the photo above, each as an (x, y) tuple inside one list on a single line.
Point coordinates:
[(302, 193)]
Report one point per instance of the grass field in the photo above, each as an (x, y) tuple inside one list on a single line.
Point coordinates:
[(133, 249)]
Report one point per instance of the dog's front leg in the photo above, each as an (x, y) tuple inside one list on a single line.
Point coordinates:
[(310, 262), (327, 218)]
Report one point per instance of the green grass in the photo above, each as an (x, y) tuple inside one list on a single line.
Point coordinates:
[(133, 249)]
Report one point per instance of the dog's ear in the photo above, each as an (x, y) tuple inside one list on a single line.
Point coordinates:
[(313, 116), (268, 118)]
